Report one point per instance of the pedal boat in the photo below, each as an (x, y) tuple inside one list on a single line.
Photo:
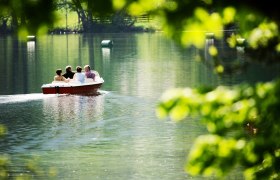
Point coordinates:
[(89, 87)]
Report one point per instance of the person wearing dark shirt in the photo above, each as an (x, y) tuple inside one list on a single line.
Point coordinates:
[(68, 73)]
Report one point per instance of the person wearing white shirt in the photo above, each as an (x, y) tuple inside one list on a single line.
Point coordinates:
[(79, 76)]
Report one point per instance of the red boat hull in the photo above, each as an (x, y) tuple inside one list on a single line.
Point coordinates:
[(81, 89)]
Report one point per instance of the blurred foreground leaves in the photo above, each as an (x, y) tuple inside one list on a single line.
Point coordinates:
[(29, 169), (243, 124), (27, 16)]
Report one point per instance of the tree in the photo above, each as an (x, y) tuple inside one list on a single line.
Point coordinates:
[(92, 19), (28, 17)]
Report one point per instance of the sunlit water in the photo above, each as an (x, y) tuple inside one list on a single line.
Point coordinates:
[(115, 135)]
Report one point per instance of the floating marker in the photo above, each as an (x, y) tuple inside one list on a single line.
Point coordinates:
[(31, 38), (106, 43), (209, 35), (240, 42)]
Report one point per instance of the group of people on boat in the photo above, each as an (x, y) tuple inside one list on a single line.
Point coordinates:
[(77, 76)]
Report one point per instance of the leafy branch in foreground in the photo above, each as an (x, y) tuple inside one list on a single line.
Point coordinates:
[(29, 169), (243, 124)]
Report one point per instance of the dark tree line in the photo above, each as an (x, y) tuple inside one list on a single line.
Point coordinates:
[(90, 18)]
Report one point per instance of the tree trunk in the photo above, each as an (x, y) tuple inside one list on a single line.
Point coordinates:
[(89, 20), (81, 14), (14, 24)]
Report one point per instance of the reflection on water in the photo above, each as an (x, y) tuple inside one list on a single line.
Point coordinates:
[(115, 135), (72, 107), (30, 48), (106, 53)]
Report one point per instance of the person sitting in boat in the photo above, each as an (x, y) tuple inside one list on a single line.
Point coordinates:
[(89, 73), (68, 73), (59, 77), (79, 76)]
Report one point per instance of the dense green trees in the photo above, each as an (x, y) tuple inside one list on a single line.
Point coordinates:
[(225, 111), (24, 17)]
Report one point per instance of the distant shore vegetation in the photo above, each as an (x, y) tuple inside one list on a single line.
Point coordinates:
[(115, 23), (70, 22)]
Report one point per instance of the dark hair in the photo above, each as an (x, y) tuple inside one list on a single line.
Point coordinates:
[(58, 71), (79, 69), (68, 68)]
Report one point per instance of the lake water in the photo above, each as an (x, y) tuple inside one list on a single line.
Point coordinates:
[(115, 135)]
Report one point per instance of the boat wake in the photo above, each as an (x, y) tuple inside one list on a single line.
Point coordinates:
[(5, 99), (8, 99), (101, 92)]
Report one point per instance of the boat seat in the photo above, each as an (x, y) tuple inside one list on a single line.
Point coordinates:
[(58, 82), (89, 80)]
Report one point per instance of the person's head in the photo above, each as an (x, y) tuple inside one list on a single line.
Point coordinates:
[(68, 69), (87, 68), (78, 69), (58, 72)]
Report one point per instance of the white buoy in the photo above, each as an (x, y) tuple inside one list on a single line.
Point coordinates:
[(240, 42), (31, 38), (106, 43), (209, 35)]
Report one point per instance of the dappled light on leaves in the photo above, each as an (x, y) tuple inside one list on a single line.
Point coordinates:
[(23, 33), (27, 17), (213, 51), (261, 35), (263, 89), (243, 122), (118, 4), (170, 6), (143, 6), (209, 22), (196, 27), (174, 104), (193, 36), (229, 15), (219, 69), (234, 39), (278, 48), (214, 150)]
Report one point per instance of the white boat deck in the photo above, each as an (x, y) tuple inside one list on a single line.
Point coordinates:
[(71, 83)]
